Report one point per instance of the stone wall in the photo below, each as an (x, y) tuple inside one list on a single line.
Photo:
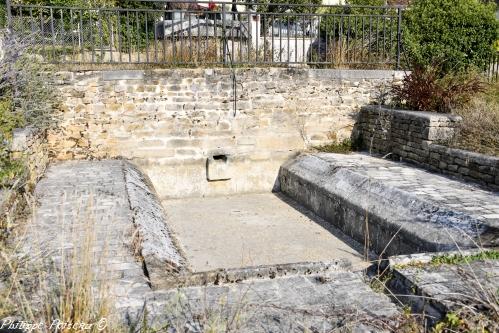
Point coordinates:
[(420, 137), (170, 122), (29, 144)]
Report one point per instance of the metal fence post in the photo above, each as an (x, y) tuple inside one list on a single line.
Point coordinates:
[(399, 35), (224, 36), (9, 15)]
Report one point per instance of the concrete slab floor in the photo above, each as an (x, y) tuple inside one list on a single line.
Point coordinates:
[(254, 229)]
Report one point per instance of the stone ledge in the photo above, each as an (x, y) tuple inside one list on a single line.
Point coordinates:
[(435, 290), (432, 117), (399, 221), (154, 241), (330, 301), (237, 275), (139, 74)]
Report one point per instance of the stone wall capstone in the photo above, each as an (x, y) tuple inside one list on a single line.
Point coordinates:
[(169, 122), (421, 138)]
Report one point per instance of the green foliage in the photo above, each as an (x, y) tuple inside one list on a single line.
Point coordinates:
[(73, 3), (3, 14), (278, 7), (462, 259), (9, 169), (8, 118), (343, 147), (356, 21), (26, 98), (134, 33), (361, 34), (454, 33), (451, 322)]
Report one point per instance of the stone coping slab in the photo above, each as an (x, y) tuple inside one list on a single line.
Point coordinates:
[(431, 118), (437, 289), (404, 209), (237, 275), (317, 302), (155, 242)]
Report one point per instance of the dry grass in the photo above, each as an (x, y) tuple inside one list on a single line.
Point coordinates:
[(352, 54), (58, 290), (480, 127)]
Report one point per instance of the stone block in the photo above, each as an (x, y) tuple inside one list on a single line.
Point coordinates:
[(461, 162), (122, 75), (487, 178), (463, 171), (21, 138)]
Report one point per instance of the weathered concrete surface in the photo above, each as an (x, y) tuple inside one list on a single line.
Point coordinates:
[(439, 289), (405, 210), (317, 303), (236, 275), (254, 229)]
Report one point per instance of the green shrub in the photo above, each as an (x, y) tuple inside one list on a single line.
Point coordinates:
[(343, 147), (9, 169), (454, 33)]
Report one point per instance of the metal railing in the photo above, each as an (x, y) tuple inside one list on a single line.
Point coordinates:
[(213, 33)]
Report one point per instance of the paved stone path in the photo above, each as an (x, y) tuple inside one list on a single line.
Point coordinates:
[(83, 211), (456, 195)]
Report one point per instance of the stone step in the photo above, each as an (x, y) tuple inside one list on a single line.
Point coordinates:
[(459, 279), (316, 302)]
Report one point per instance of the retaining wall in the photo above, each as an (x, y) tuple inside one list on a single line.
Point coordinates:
[(170, 122), (420, 137)]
